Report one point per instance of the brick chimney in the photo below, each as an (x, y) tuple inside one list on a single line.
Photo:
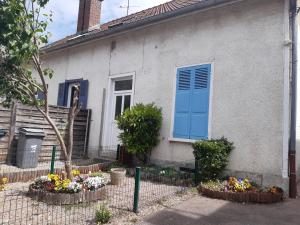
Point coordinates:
[(88, 14)]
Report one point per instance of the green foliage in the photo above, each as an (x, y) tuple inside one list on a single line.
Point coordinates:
[(96, 174), (22, 34), (140, 128), (214, 185), (162, 171), (212, 157), (103, 215)]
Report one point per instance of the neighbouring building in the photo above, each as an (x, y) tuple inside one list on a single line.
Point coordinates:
[(217, 68)]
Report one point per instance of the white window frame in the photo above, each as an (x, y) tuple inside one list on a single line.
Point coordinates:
[(184, 140), (109, 101)]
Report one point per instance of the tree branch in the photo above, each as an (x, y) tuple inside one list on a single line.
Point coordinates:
[(59, 137), (41, 74)]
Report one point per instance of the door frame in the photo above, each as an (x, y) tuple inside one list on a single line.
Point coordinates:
[(109, 102)]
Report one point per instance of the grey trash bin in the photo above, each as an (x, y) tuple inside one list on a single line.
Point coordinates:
[(29, 147)]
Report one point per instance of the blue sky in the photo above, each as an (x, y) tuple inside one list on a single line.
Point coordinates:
[(65, 13)]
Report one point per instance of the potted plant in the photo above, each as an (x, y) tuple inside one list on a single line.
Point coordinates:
[(117, 176)]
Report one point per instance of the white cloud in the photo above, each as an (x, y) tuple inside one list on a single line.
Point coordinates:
[(66, 12)]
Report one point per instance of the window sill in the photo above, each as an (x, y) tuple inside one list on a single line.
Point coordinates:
[(171, 139)]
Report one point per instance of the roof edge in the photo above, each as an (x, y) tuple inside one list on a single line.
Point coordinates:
[(147, 21)]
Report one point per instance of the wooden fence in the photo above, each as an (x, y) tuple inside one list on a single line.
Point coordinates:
[(11, 120)]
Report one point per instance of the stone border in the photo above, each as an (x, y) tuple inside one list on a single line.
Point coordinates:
[(254, 197), (65, 198), (25, 176)]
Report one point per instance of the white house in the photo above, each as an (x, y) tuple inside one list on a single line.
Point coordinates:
[(216, 67)]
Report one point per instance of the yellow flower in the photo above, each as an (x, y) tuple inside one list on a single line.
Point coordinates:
[(75, 172), (57, 183), (232, 181), (53, 177), (65, 183), (4, 180)]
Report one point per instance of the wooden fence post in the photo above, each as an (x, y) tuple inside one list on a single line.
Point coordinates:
[(87, 133), (12, 130)]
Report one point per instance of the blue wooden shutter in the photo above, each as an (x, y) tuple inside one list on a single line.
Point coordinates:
[(61, 95), (200, 102), (83, 94), (182, 104)]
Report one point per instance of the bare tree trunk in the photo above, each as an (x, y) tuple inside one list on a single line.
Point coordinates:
[(68, 168), (73, 111), (68, 164), (59, 136)]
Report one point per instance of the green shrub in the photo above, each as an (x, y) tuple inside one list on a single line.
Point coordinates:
[(103, 215), (140, 128), (212, 157), (96, 174)]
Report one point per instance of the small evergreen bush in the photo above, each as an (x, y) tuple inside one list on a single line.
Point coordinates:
[(140, 128), (211, 157), (103, 215)]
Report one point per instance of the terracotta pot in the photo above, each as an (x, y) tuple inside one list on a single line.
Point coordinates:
[(117, 176)]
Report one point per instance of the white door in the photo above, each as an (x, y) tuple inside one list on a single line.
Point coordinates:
[(122, 100)]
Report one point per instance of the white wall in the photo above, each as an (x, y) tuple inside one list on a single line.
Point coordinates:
[(244, 42)]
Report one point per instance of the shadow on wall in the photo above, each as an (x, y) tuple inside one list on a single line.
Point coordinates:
[(204, 211)]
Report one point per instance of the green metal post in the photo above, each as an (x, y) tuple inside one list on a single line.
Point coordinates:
[(53, 159), (136, 189)]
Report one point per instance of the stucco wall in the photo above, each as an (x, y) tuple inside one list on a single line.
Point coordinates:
[(244, 42)]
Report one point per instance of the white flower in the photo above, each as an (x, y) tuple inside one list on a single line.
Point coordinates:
[(162, 172), (74, 186), (42, 179), (93, 183)]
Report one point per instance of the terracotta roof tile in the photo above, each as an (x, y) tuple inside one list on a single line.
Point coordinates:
[(160, 9), (156, 10)]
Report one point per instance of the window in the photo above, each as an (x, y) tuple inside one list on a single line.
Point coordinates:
[(122, 103), (118, 108), (123, 85), (192, 102), (66, 91), (71, 92)]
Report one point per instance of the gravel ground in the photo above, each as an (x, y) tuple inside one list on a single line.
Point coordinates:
[(131, 218), (17, 209)]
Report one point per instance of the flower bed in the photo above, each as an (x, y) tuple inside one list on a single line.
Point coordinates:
[(241, 190), (3, 182), (14, 174), (54, 189)]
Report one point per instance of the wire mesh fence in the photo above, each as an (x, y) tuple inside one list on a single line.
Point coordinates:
[(30, 161), (18, 207)]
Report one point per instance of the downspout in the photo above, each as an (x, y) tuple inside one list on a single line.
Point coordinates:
[(292, 140)]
